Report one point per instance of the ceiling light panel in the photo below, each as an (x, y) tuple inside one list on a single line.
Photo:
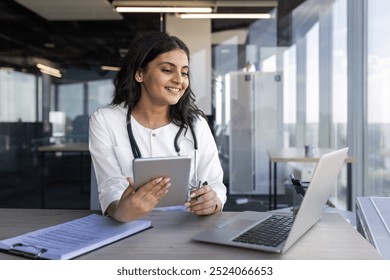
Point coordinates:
[(162, 10)]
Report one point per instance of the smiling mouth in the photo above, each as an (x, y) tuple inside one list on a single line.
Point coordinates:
[(174, 90)]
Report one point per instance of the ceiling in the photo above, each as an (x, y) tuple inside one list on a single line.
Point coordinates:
[(89, 33)]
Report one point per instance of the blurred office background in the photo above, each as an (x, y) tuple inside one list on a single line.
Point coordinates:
[(313, 72)]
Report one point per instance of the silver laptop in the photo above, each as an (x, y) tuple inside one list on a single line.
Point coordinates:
[(274, 232)]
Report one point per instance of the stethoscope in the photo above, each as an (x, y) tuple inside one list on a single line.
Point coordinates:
[(137, 152)]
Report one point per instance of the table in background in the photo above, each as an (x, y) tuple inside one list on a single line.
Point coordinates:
[(286, 155), (81, 148), (170, 238)]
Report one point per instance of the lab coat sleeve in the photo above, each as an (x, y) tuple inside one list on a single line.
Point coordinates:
[(111, 182), (209, 165)]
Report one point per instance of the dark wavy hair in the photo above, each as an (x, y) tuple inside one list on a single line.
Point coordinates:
[(141, 52)]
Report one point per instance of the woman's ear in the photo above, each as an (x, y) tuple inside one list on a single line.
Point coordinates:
[(138, 77)]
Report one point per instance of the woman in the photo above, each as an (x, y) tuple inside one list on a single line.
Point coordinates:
[(152, 101)]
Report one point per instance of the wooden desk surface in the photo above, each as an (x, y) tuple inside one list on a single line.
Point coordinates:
[(298, 155), (70, 147), (170, 238)]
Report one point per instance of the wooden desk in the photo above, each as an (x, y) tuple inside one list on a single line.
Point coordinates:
[(81, 148), (286, 155), (170, 238)]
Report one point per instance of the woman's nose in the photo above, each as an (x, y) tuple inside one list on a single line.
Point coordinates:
[(177, 77)]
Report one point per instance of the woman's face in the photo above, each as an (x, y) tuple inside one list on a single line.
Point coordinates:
[(165, 80)]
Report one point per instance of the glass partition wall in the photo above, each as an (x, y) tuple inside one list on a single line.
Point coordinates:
[(248, 90), (36, 111)]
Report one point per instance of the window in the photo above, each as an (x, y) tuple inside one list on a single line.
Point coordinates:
[(99, 94), (312, 86), (290, 95), (377, 146), (77, 101), (18, 95)]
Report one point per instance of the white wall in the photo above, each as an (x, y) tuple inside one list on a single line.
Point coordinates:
[(196, 33)]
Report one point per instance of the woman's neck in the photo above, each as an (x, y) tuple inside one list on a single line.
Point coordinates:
[(151, 117)]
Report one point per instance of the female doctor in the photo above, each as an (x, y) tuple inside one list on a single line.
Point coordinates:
[(153, 114)]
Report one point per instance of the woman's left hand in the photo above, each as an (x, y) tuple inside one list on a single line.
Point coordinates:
[(204, 201)]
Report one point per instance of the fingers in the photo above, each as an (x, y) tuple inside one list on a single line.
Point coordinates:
[(206, 190), (160, 189), (152, 190), (204, 211), (203, 201), (138, 203), (157, 187)]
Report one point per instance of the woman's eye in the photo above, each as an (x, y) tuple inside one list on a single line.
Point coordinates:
[(167, 70), (184, 73)]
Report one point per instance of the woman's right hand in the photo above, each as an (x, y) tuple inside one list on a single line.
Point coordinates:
[(134, 204)]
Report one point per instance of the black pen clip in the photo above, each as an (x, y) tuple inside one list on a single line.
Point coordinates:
[(297, 185)]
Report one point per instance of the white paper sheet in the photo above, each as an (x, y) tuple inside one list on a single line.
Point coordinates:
[(71, 239)]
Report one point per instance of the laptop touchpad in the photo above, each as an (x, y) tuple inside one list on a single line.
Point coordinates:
[(238, 224)]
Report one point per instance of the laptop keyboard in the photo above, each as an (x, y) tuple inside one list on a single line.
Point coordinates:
[(270, 232)]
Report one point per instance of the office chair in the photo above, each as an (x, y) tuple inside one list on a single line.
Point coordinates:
[(94, 196)]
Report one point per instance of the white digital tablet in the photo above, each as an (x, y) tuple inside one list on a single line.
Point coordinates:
[(177, 168)]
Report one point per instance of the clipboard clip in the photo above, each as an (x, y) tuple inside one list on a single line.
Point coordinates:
[(15, 249)]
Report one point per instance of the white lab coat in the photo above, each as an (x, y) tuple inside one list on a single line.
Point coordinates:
[(112, 156)]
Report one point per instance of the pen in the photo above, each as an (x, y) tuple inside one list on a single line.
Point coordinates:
[(199, 186)]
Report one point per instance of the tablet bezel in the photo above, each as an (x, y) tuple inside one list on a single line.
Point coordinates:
[(175, 167)]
